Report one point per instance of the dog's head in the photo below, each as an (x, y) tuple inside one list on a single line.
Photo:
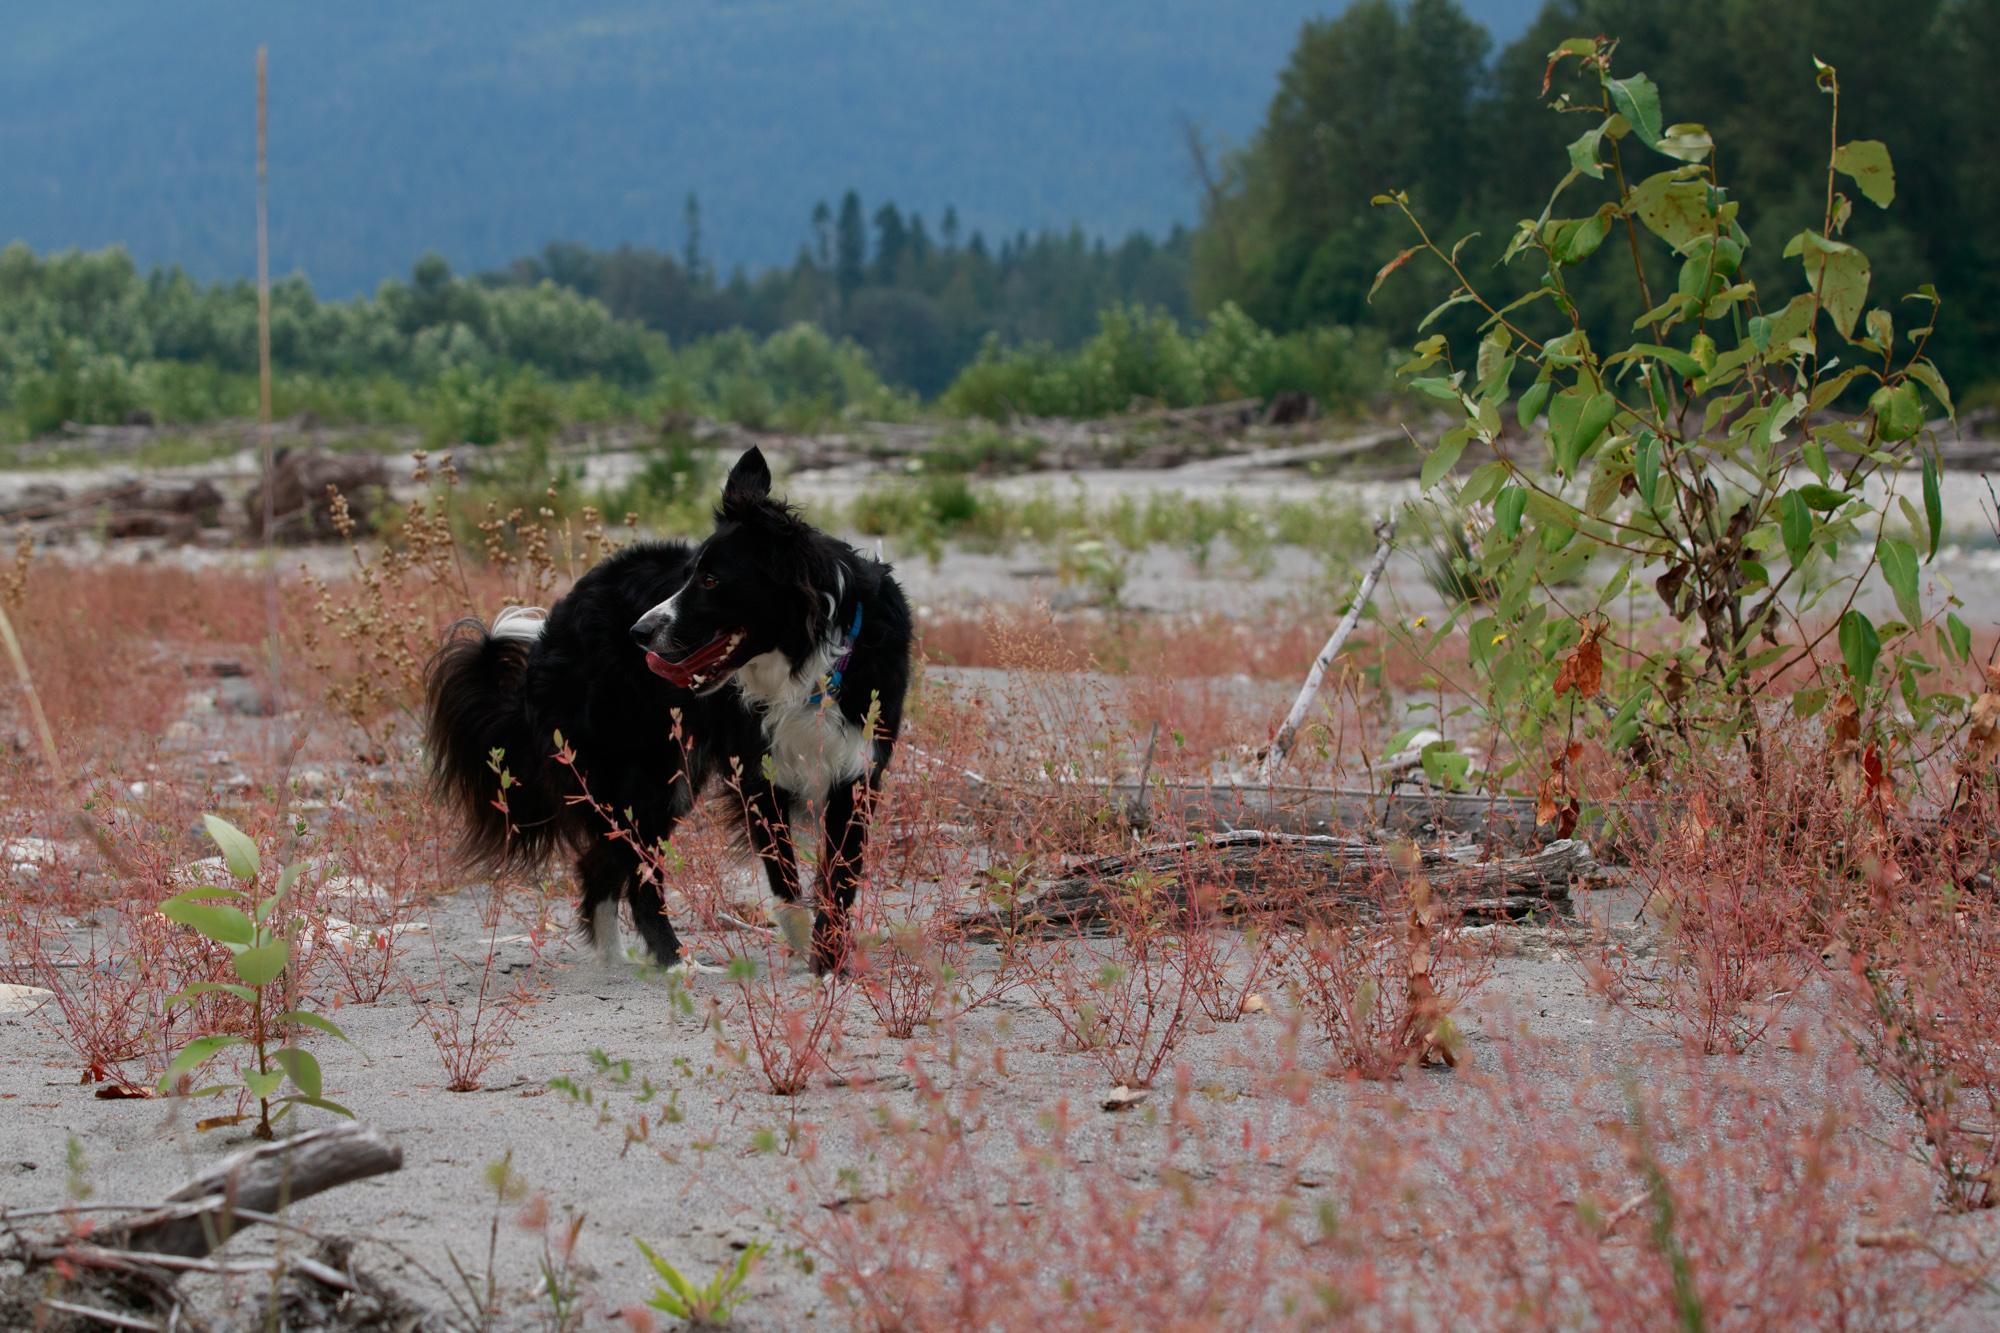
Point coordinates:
[(753, 587)]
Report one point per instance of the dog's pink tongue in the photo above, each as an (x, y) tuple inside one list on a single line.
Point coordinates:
[(660, 667)]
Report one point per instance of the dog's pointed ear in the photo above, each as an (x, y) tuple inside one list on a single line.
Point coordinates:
[(749, 481)]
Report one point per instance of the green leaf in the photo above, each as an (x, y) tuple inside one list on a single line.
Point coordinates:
[(301, 1067), (1438, 387), (1442, 459), (1587, 419), (1684, 365), (1933, 503), (1583, 153), (1637, 100), (1899, 569), (1881, 328), (1867, 161), (1860, 646), (1576, 239), (1646, 468), (188, 993), (224, 925), (1507, 507), (1822, 498), (1961, 635), (1689, 143), (207, 893), (1398, 741), (1676, 211), (321, 1103), (1533, 399), (261, 965), (1462, 298), (304, 1019), (1926, 374), (1899, 411), (1425, 354), (193, 1055), (666, 1271), (264, 1084), (1814, 454), (1484, 483), (1838, 272), (1445, 767), (238, 852), (1795, 521), (286, 879)]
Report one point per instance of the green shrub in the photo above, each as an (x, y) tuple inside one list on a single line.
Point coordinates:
[(1692, 457), (1142, 359)]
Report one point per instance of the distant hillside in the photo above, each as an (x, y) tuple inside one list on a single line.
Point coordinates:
[(484, 128)]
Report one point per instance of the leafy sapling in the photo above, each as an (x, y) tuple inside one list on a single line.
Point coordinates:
[(259, 941), (1691, 446)]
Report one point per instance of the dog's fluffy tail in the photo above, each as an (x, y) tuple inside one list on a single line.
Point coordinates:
[(478, 728)]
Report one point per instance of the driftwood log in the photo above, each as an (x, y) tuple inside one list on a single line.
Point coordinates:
[(1295, 875), (135, 1263), (301, 507), (1503, 821), (202, 1214)]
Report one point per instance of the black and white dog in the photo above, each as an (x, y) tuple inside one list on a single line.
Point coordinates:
[(770, 661)]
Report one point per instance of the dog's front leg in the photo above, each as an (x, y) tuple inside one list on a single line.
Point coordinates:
[(848, 810), (770, 834)]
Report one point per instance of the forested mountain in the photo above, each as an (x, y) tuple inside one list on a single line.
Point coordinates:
[(483, 129), (915, 181)]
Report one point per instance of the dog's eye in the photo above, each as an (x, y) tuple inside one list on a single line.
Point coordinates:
[(708, 580)]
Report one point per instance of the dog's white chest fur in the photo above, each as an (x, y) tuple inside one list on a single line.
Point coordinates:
[(814, 748)]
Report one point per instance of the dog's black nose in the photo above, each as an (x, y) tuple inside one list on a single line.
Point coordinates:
[(642, 634)]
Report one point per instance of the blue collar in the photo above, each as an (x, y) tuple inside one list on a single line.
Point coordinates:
[(830, 688)]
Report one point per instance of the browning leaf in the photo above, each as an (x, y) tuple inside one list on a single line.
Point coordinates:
[(1982, 738)]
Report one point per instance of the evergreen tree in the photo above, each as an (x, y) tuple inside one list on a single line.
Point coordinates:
[(822, 230), (691, 259), (891, 240), (850, 247)]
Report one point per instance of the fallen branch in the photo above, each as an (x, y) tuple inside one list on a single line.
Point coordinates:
[(204, 1213), (135, 1263), (1318, 451), (1317, 873), (1385, 534)]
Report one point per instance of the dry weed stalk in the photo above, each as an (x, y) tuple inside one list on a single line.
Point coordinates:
[(1381, 991)]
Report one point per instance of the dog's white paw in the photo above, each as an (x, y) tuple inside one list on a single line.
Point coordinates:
[(794, 922)]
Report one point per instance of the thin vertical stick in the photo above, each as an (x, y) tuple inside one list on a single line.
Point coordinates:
[(1385, 533), (264, 440), (58, 778), (42, 732)]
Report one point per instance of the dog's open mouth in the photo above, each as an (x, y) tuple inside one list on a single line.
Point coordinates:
[(705, 665)]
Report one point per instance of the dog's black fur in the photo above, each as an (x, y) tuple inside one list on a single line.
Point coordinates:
[(651, 735)]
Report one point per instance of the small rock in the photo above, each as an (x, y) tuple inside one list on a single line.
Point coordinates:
[(29, 850), (210, 870), (353, 887), (241, 696), (1122, 1098), (22, 999)]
